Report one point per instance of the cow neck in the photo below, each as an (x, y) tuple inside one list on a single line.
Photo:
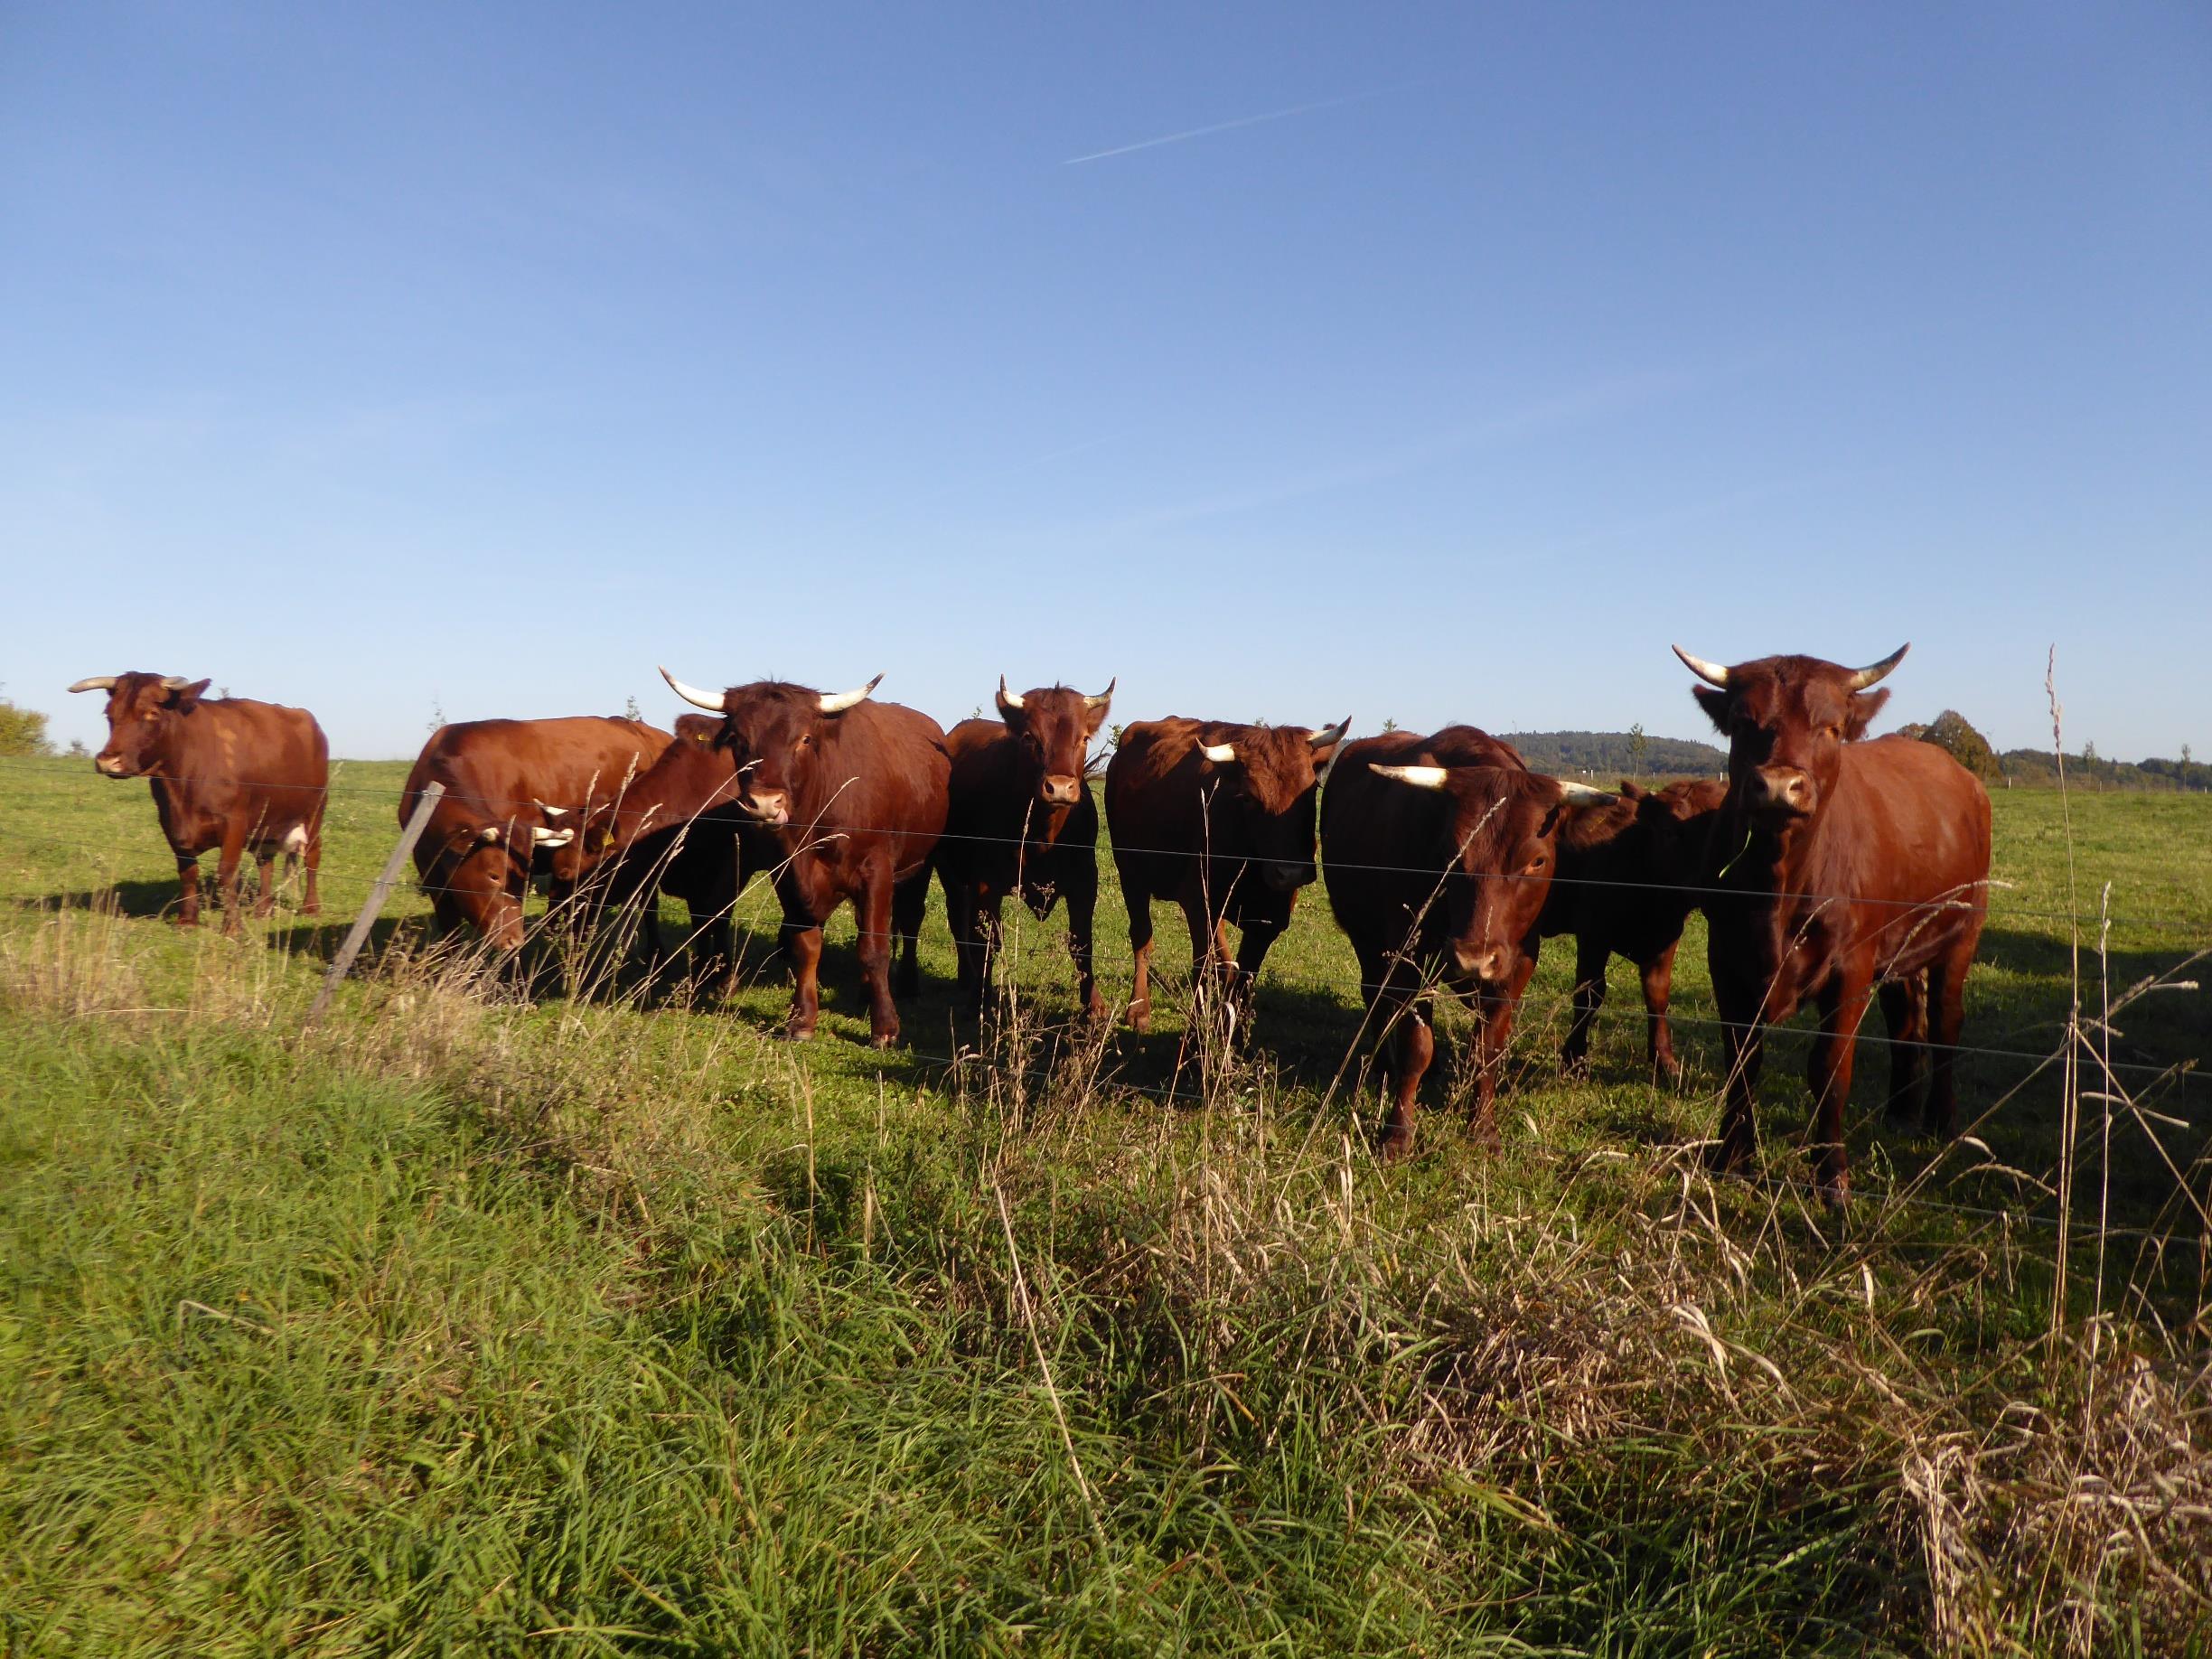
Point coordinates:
[(672, 791), (1766, 864)]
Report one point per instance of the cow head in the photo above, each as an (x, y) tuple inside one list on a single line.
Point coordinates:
[(1787, 720), (1052, 729), (774, 733), (1677, 824), (143, 713), (1265, 782), (702, 729), (1503, 829)]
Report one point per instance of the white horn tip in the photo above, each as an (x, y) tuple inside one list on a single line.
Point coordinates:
[(1420, 777), (550, 812), (1584, 794), (97, 682), (1220, 754), (1711, 673), (1329, 736)]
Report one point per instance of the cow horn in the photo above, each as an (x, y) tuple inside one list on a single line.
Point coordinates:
[(839, 701), (490, 833), (542, 836), (1874, 673), (1104, 698), (97, 682), (1220, 754), (713, 701), (1583, 794), (1007, 700), (1329, 736), (1711, 673), (550, 812), (175, 682), (1420, 777)]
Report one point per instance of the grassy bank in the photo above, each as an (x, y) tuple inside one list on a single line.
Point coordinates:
[(469, 1324)]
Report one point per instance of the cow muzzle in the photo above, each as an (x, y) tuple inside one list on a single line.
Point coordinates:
[(767, 806), (1786, 790), (1059, 790), (1487, 963), (112, 766), (1289, 877)]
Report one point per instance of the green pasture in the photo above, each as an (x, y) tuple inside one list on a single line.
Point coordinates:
[(592, 1322)]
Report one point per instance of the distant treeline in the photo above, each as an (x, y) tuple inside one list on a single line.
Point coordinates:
[(1626, 754), (1633, 755)]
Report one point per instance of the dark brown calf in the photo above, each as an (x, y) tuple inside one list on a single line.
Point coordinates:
[(1631, 869), (514, 791), (228, 773), (1218, 816), (1844, 866), (852, 793), (1439, 854), (1021, 819)]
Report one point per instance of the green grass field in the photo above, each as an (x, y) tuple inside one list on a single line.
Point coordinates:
[(464, 1323)]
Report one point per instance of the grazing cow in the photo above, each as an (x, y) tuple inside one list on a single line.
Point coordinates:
[(1843, 865), (852, 795), (511, 787), (226, 772), (1631, 869), (675, 829), (1021, 819), (1219, 818), (1439, 854)]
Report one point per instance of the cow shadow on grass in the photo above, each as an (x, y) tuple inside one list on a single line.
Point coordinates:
[(143, 900)]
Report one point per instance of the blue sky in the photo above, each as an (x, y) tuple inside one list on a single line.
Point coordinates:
[(477, 359)]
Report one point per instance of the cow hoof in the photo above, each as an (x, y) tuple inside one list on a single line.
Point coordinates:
[(1577, 1066), (1667, 1072), (795, 1034), (1393, 1144), (311, 910), (884, 1039)]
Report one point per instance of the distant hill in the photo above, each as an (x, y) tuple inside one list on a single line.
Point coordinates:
[(1612, 754)]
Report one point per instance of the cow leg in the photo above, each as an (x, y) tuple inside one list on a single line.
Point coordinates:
[(872, 905), (1138, 898), (1658, 987), (1591, 954), (1251, 956), (909, 904), (1498, 1009), (803, 945), (312, 905), (1213, 977), (264, 861), (1081, 887), (188, 890), (1741, 1004), (1409, 1047), (1946, 1016), (227, 873), (1904, 1006), (1842, 1005)]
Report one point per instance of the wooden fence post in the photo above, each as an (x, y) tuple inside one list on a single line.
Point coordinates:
[(359, 936)]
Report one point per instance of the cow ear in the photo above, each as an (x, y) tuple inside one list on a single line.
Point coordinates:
[(1715, 703), (185, 698), (1864, 707), (1632, 790)]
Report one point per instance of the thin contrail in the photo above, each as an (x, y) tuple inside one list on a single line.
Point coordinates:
[(1218, 126)]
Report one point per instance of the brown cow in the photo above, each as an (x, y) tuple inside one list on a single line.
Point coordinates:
[(511, 787), (852, 795), (1439, 854), (675, 829), (1845, 865), (1021, 819), (226, 772), (1218, 816), (1631, 869)]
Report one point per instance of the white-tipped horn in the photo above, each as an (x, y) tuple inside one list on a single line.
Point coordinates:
[(550, 812), (1104, 698), (1006, 699), (1220, 754), (175, 682), (1874, 673), (490, 833), (1583, 794), (97, 682), (1329, 736), (692, 694), (1420, 777), (542, 836), (1711, 673), (838, 702)]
